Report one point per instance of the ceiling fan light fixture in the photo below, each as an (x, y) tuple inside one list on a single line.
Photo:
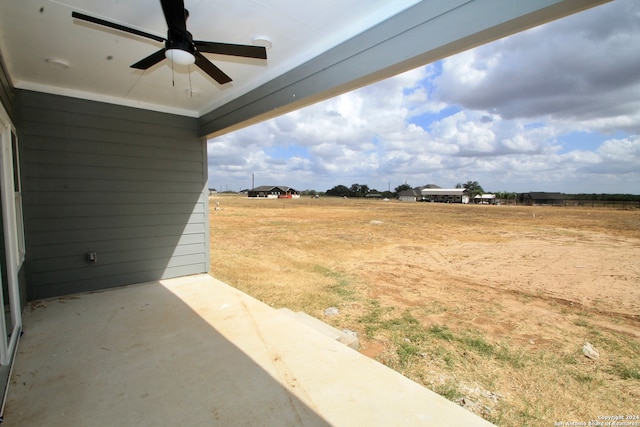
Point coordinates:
[(263, 41), (179, 46), (180, 56)]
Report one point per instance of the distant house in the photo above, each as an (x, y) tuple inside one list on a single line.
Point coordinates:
[(541, 198), (433, 193), (274, 192), (415, 194), (485, 199), (445, 195), (410, 195)]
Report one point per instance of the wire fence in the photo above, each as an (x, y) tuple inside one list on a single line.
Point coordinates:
[(609, 204)]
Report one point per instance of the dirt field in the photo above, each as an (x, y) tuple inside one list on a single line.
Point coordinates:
[(489, 306)]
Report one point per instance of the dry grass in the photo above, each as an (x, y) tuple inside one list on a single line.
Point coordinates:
[(487, 305)]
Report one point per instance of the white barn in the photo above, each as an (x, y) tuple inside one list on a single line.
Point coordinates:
[(445, 195)]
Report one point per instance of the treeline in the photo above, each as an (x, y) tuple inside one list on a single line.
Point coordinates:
[(604, 197), (363, 190), (473, 188)]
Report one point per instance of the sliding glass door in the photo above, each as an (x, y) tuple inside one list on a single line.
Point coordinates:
[(11, 238)]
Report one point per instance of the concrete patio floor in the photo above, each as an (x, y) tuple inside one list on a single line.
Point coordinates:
[(194, 351)]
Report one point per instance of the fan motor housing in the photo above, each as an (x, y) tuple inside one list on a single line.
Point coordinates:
[(180, 41)]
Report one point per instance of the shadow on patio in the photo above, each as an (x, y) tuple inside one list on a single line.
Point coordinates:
[(194, 351)]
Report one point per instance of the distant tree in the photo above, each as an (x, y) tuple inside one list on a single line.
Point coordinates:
[(358, 190), (472, 187), (338, 191), (507, 196), (402, 187)]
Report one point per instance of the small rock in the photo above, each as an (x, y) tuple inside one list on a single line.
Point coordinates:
[(375, 222), (331, 311), (467, 403), (590, 351), (350, 332)]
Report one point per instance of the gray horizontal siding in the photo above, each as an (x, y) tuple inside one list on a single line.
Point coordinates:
[(107, 234), (104, 139), (114, 210), (109, 186), (125, 183), (42, 252), (82, 220)]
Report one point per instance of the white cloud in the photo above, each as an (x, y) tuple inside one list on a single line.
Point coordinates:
[(582, 69), (499, 114)]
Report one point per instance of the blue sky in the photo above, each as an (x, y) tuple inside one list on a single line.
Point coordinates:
[(555, 108)]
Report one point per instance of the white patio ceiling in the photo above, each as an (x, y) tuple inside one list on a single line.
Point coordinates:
[(32, 31)]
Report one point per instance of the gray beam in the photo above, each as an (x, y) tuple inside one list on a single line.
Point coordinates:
[(429, 31)]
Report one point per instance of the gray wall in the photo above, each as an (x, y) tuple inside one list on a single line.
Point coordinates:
[(125, 183)]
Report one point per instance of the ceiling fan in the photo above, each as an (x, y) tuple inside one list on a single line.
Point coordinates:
[(179, 46)]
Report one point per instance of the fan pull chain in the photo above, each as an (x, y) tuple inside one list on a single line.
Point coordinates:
[(173, 79), (190, 87)]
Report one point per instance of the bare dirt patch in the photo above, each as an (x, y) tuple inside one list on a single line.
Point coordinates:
[(487, 305)]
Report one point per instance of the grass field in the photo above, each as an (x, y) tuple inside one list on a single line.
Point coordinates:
[(489, 306)]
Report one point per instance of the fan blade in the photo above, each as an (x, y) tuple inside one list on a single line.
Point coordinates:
[(247, 51), (115, 26), (175, 15), (150, 60), (214, 72)]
